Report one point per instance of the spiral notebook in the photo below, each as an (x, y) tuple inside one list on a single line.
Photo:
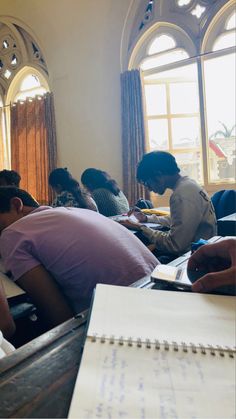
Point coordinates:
[(157, 354)]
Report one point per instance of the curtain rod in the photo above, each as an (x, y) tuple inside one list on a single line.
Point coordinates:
[(30, 99)]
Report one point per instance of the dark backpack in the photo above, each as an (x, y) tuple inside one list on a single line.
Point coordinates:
[(144, 204)]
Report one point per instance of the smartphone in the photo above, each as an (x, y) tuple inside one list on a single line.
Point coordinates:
[(172, 275)]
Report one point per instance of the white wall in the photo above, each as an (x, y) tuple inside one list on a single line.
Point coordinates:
[(81, 41)]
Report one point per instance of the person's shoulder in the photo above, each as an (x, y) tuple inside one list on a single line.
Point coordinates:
[(186, 183), (101, 192), (121, 194)]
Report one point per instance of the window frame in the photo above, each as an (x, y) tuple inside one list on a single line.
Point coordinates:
[(216, 26)]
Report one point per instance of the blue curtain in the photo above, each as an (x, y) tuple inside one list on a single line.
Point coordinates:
[(133, 133)]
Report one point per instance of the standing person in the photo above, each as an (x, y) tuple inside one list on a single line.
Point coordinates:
[(105, 191), (9, 177), (69, 193), (192, 215), (58, 255)]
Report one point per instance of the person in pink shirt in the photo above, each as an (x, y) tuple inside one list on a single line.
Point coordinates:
[(58, 255)]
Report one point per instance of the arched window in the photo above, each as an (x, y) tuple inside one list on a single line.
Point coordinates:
[(17, 50), (186, 51), (30, 87), (27, 140), (169, 75), (27, 83)]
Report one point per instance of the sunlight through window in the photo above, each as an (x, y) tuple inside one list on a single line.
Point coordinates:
[(226, 40), (30, 82), (161, 43), (165, 58), (231, 24)]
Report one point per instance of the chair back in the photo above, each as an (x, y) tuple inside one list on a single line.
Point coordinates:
[(224, 202), (144, 204)]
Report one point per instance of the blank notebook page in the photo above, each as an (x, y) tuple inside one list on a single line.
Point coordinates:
[(163, 315)]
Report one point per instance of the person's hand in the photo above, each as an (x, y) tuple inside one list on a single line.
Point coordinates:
[(219, 259), (130, 224), (136, 212)]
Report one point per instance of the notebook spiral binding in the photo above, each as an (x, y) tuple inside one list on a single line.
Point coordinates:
[(167, 346)]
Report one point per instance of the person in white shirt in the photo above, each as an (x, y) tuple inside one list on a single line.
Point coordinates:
[(192, 215)]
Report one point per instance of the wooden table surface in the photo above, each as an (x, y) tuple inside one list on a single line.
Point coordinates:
[(38, 379)]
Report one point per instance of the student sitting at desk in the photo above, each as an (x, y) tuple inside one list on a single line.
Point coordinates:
[(105, 191), (69, 193), (58, 255), (192, 215)]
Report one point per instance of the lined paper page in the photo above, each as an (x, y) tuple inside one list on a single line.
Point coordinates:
[(129, 382), (163, 315)]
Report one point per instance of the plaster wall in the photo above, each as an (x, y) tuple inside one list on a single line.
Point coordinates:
[(81, 42)]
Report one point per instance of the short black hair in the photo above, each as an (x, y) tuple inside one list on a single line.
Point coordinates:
[(9, 192), (156, 162), (11, 177)]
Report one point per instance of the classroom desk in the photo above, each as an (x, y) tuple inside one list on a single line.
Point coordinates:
[(38, 379)]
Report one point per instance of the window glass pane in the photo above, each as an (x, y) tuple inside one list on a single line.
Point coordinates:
[(31, 93), (161, 43), (184, 98), (226, 40), (185, 132), (183, 2), (190, 164), (183, 139), (198, 11), (29, 82), (231, 22), (155, 99), (163, 59), (187, 72), (220, 112), (158, 134)]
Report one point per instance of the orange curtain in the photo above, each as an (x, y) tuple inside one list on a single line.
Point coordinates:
[(33, 144)]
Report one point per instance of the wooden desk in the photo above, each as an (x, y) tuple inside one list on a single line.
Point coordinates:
[(38, 379)]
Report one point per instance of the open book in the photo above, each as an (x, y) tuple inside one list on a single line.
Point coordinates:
[(157, 354)]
